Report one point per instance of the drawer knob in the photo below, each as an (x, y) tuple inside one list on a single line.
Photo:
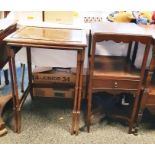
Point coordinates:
[(115, 84)]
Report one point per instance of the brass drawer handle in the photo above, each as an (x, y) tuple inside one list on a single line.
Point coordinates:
[(115, 84)]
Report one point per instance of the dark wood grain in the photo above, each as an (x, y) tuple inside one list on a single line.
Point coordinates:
[(109, 73), (52, 38)]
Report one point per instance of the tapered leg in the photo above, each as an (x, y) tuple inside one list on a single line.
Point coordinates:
[(22, 76), (29, 65), (74, 113), (89, 99), (0, 78), (133, 119), (15, 95), (80, 90), (142, 102), (6, 77), (3, 101)]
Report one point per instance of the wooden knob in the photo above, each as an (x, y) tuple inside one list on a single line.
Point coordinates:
[(115, 84)]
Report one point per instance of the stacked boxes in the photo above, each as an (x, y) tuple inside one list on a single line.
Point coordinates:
[(60, 77)]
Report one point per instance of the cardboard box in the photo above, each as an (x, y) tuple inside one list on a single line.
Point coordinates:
[(58, 75), (54, 76), (55, 92)]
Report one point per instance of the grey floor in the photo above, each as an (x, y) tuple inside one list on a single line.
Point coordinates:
[(48, 122)]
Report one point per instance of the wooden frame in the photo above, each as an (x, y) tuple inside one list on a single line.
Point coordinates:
[(104, 79), (148, 90), (51, 38), (3, 60)]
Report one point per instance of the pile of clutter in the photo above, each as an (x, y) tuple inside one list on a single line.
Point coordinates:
[(138, 17)]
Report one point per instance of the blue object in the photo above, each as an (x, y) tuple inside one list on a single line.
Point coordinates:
[(141, 20)]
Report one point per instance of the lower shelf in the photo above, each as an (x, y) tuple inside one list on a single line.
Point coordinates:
[(111, 105)]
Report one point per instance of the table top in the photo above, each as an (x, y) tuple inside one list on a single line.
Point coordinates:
[(118, 28), (150, 29), (48, 37)]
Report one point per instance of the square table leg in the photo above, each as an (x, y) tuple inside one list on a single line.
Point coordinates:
[(16, 102), (29, 64), (74, 113), (80, 90)]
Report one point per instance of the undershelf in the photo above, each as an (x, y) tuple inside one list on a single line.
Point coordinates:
[(111, 106), (114, 67)]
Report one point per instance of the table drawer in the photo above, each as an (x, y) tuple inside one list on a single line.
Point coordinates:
[(115, 84)]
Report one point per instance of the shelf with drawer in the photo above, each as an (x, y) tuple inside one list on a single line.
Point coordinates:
[(115, 84), (117, 74), (113, 73)]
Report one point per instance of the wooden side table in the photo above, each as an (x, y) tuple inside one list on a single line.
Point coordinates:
[(148, 89), (3, 101), (117, 74), (3, 60), (52, 38)]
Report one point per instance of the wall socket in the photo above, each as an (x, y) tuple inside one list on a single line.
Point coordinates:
[(92, 19)]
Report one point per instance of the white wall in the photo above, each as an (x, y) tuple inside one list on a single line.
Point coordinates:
[(44, 57)]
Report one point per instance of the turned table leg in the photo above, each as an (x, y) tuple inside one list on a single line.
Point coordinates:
[(3, 101), (80, 91), (74, 113), (6, 76), (16, 101)]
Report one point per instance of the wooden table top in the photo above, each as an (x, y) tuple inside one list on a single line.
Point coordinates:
[(118, 28), (150, 29), (44, 37)]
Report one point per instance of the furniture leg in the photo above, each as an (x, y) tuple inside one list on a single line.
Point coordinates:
[(80, 90), (29, 65), (6, 77), (129, 51), (17, 112), (3, 101), (3, 130), (22, 76), (139, 118), (13, 95), (0, 78), (74, 113), (134, 53), (133, 118), (89, 95), (12, 66), (142, 102)]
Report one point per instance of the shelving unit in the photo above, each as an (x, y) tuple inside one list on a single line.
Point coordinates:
[(148, 97), (117, 74), (148, 91), (50, 38), (4, 58)]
